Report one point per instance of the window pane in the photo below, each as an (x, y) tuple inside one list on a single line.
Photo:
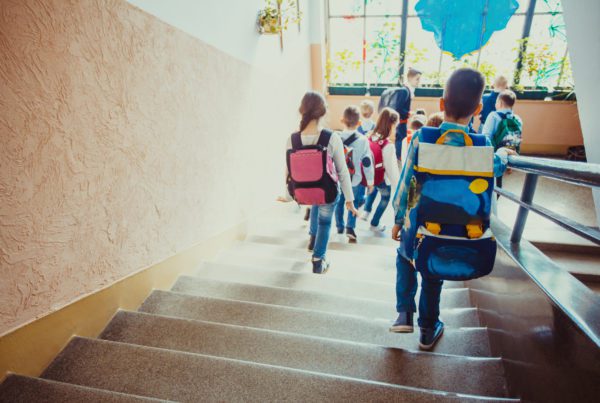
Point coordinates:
[(421, 52), (499, 55), (346, 7), (524, 5), (384, 7), (344, 64), (544, 6), (383, 50), (546, 50), (411, 7)]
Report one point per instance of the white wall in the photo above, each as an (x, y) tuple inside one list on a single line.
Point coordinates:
[(583, 34)]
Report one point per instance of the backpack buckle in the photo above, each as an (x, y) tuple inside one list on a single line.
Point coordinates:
[(433, 227), (474, 231)]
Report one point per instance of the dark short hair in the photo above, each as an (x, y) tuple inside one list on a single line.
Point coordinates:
[(413, 72), (463, 92), (351, 115), (508, 98)]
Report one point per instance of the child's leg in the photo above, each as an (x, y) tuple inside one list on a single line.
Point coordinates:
[(385, 192), (323, 228), (370, 200), (429, 302), (314, 215), (339, 213), (358, 200), (406, 285)]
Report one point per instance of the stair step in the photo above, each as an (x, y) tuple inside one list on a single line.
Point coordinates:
[(24, 389), (451, 297), (457, 317), (336, 243), (187, 377), (478, 376), (461, 341)]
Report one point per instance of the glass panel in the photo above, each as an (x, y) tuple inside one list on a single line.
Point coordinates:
[(383, 50), (524, 5), (421, 52), (344, 65), (384, 7), (346, 7), (545, 6), (546, 51), (411, 7)]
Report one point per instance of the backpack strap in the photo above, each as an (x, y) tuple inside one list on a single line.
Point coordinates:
[(350, 139), (502, 115), (324, 138), (296, 141)]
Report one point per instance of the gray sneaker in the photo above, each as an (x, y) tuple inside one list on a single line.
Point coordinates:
[(320, 266)]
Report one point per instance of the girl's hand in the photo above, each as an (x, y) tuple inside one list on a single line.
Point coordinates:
[(396, 232), (350, 207), (283, 199)]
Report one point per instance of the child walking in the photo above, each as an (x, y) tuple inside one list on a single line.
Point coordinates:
[(313, 140), (359, 162), (386, 165), (445, 189)]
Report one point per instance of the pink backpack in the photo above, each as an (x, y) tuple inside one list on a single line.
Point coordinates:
[(312, 178)]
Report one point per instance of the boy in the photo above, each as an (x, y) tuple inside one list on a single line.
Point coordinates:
[(503, 127), (399, 99), (367, 108), (359, 160), (489, 100), (460, 102), (416, 122)]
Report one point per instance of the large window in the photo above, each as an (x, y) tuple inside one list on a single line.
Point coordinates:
[(371, 42)]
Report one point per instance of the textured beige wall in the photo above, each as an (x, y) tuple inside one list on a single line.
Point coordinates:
[(123, 142)]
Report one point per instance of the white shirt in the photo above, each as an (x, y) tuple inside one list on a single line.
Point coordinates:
[(390, 162), (336, 150)]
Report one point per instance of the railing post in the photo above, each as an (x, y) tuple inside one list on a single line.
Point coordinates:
[(526, 197)]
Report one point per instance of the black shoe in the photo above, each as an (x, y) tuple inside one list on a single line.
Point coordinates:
[(403, 324), (320, 266), (430, 336), (307, 214), (351, 234), (340, 230), (311, 243)]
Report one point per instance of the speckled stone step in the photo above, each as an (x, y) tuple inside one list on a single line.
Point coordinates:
[(313, 300), (479, 376), (24, 389), (187, 377), (307, 281), (460, 341)]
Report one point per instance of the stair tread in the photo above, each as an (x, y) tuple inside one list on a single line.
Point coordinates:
[(451, 297), (338, 243), (312, 300), (460, 341), (188, 377), (481, 376), (25, 389)]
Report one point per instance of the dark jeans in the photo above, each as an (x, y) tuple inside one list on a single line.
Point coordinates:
[(406, 290), (385, 191), (359, 195)]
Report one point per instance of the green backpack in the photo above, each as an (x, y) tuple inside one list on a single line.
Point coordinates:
[(508, 133)]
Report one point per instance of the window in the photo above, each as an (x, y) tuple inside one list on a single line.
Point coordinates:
[(371, 41)]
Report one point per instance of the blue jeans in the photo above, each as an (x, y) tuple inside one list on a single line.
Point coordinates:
[(359, 197), (320, 225), (385, 191), (370, 200), (406, 290)]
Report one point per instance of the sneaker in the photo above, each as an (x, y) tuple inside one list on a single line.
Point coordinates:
[(430, 336), (404, 323), (351, 234), (311, 243), (320, 266), (365, 216), (340, 230), (307, 214), (378, 228)]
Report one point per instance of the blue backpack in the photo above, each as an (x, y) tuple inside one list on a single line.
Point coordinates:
[(447, 225)]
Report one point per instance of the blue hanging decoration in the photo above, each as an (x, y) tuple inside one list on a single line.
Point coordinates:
[(461, 27)]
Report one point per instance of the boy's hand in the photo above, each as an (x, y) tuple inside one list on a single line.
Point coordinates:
[(283, 199), (396, 232), (350, 207)]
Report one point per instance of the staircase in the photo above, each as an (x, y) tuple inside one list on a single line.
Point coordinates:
[(255, 324)]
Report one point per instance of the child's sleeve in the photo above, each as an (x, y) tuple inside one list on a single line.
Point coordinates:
[(489, 127), (400, 201), (286, 192), (500, 159), (339, 160)]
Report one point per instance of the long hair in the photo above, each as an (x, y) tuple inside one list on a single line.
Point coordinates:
[(387, 118), (312, 107)]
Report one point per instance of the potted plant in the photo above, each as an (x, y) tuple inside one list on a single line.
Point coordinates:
[(277, 15)]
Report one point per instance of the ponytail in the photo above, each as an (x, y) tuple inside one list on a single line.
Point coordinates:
[(387, 118), (312, 107)]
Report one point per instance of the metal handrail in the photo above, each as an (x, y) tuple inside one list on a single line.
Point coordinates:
[(578, 173)]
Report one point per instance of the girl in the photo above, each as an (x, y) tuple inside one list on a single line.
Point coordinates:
[(382, 135), (313, 109)]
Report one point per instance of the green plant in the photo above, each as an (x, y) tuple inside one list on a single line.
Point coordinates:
[(343, 62), (541, 64), (277, 15)]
